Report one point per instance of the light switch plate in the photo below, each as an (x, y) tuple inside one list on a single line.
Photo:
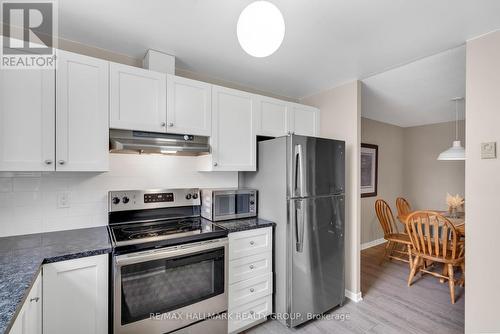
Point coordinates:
[(489, 150)]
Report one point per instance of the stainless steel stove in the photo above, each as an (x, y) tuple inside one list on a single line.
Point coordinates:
[(142, 219), (169, 264)]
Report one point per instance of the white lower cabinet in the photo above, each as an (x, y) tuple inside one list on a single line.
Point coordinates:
[(29, 319), (76, 296), (250, 278), (250, 314)]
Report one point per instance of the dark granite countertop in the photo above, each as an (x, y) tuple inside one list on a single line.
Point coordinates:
[(21, 258), (244, 224)]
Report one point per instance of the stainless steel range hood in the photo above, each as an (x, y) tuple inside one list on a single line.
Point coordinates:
[(128, 141)]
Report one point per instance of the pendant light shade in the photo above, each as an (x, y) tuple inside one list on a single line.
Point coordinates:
[(456, 151)]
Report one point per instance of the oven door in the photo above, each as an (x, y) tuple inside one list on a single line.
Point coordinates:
[(234, 204), (163, 290)]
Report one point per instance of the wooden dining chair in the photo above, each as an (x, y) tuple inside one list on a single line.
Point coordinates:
[(434, 238), (392, 235), (403, 207)]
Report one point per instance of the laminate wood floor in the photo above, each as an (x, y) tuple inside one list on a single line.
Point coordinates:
[(389, 305)]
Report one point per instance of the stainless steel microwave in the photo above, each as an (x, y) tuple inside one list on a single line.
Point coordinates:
[(224, 204)]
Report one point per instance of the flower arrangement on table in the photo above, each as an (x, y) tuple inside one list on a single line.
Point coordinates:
[(454, 203)]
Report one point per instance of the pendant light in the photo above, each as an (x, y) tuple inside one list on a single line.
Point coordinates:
[(260, 29), (456, 151)]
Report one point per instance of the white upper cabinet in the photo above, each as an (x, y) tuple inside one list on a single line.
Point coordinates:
[(273, 117), (82, 141), (189, 106), (304, 120), (233, 140), (138, 98), (27, 118)]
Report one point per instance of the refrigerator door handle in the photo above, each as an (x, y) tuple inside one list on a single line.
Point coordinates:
[(299, 171), (299, 227)]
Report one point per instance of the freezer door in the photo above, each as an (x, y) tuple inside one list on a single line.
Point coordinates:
[(316, 257), (316, 167)]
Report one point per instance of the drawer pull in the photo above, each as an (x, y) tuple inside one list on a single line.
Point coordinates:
[(252, 289), (251, 266), (36, 299), (251, 312), (252, 243)]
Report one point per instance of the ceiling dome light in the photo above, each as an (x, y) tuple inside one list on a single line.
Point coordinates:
[(260, 29)]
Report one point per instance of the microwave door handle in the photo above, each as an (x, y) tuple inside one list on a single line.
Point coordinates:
[(299, 172)]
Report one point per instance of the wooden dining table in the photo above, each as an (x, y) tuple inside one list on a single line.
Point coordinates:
[(458, 222)]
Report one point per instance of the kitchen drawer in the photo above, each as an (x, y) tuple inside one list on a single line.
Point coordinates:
[(247, 315), (254, 288), (250, 242), (250, 266)]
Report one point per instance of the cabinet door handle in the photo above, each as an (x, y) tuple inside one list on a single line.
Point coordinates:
[(35, 299), (61, 162), (252, 289), (48, 162), (251, 312), (252, 243), (251, 266), (163, 124), (215, 164), (170, 124)]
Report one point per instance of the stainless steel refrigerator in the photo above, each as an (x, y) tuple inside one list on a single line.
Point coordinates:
[(301, 183)]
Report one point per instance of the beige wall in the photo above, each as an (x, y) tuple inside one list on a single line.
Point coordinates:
[(408, 167), (389, 139), (340, 119), (482, 181), (426, 179)]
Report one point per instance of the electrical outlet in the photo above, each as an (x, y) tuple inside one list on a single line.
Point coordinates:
[(63, 199)]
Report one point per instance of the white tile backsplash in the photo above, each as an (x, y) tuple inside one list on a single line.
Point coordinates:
[(26, 184), (5, 184), (29, 204)]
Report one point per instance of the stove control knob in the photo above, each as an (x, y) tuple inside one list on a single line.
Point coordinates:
[(195, 196), (115, 200), (188, 196), (125, 200)]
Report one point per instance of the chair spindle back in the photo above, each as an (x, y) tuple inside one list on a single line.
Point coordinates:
[(433, 235), (385, 217)]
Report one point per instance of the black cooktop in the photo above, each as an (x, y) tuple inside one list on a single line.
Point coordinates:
[(161, 233)]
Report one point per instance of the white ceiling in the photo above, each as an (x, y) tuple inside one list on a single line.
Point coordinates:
[(327, 42), (418, 93)]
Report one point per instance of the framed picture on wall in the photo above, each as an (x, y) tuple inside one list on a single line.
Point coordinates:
[(369, 170)]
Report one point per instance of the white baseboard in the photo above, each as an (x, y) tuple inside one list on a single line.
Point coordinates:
[(372, 243), (355, 297)]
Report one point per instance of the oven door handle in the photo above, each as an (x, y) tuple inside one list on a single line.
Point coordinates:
[(165, 253)]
